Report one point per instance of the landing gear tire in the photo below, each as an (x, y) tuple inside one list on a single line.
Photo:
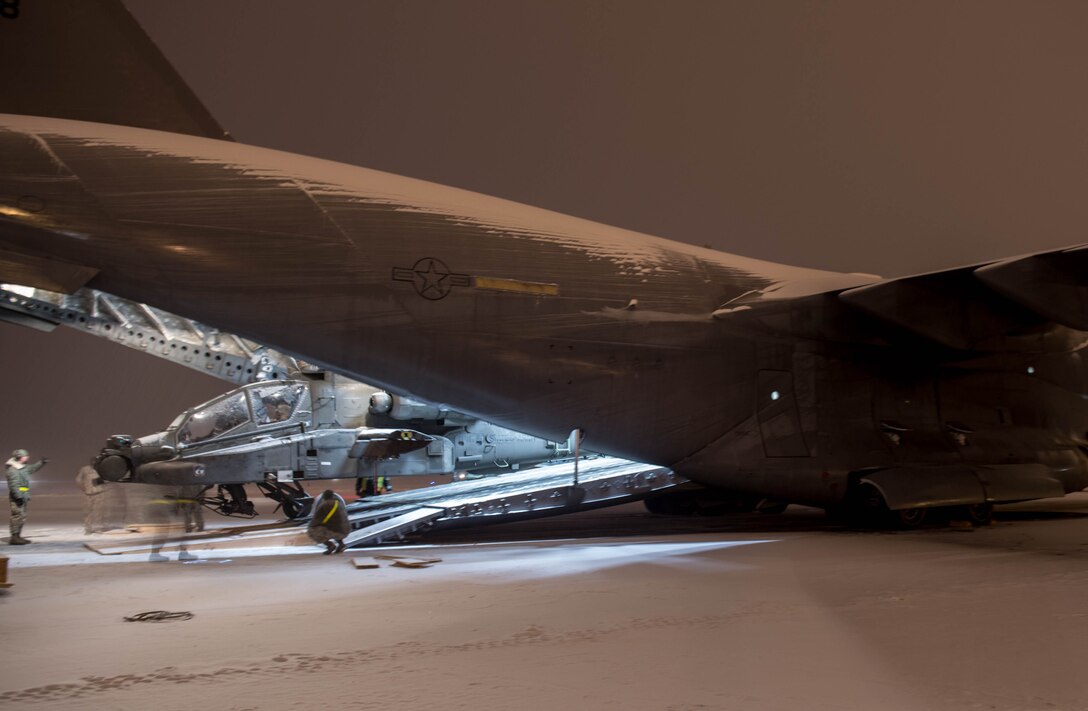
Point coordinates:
[(908, 519), (977, 514), (870, 508), (299, 507), (291, 497)]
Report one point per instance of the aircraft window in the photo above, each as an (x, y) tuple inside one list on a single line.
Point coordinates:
[(217, 418), (275, 403)]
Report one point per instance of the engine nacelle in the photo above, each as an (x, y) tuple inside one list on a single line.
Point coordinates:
[(405, 409)]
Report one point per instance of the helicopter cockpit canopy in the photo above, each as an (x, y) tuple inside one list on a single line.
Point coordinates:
[(257, 405)]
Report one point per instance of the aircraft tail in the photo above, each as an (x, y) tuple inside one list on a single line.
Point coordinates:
[(90, 60)]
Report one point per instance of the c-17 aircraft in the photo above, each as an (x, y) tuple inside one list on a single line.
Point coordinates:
[(946, 392)]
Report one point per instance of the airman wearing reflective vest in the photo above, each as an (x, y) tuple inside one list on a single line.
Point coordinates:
[(329, 524), (18, 474)]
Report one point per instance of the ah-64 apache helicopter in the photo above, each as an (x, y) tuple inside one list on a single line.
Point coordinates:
[(280, 434)]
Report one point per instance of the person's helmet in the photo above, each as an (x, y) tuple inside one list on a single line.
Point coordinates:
[(20, 453)]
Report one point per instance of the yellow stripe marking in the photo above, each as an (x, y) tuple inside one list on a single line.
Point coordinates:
[(335, 505), (521, 287)]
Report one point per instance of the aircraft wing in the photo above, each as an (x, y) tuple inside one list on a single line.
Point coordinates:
[(983, 307), (1052, 284)]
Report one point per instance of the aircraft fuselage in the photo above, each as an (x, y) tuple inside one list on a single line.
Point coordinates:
[(531, 319)]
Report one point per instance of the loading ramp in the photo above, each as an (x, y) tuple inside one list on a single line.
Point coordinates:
[(547, 490), (544, 491)]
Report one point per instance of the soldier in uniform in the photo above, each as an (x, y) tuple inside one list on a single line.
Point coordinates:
[(163, 508), (373, 486), (329, 524), (95, 502), (190, 507), (18, 474)]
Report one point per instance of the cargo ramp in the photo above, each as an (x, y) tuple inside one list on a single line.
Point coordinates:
[(547, 490), (544, 491)]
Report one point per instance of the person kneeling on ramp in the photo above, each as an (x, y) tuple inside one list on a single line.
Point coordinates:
[(329, 523)]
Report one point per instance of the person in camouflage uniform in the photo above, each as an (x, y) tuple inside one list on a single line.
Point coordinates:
[(95, 502), (329, 524), (190, 508), (163, 508), (18, 474)]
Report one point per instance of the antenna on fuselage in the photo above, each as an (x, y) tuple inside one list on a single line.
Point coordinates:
[(576, 435)]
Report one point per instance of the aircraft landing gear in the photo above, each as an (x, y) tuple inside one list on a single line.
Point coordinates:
[(867, 508), (908, 519), (231, 500), (976, 514), (292, 498)]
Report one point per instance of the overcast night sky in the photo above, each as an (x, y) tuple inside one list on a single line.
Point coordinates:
[(888, 138)]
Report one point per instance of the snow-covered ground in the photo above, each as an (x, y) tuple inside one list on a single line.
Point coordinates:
[(611, 609)]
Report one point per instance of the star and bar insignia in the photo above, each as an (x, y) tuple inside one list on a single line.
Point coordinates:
[(433, 280)]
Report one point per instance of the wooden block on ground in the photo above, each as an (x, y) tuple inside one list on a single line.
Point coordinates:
[(407, 561)]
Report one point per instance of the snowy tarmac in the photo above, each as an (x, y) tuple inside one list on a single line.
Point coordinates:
[(608, 609)]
